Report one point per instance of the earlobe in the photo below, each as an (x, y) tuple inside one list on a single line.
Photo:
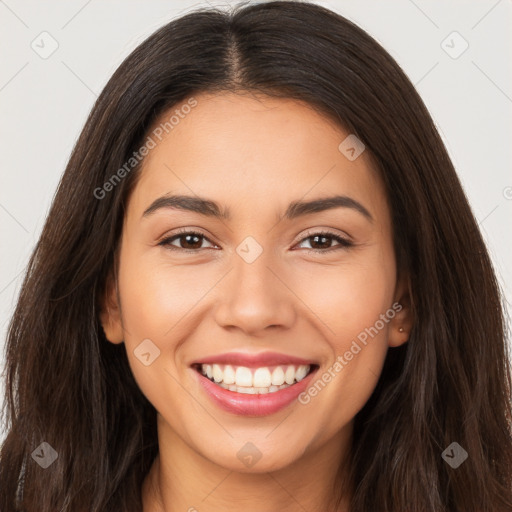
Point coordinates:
[(110, 313), (401, 325)]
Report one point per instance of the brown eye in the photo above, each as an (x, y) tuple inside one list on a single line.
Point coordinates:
[(191, 241), (321, 242), (187, 240)]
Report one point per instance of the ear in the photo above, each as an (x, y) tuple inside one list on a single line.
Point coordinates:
[(401, 324), (110, 312)]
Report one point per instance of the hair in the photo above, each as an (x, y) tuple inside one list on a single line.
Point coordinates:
[(68, 386)]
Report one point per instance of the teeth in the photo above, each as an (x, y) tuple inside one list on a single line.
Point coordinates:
[(229, 375), (289, 375), (301, 372), (278, 376), (243, 376), (218, 374), (252, 391), (262, 378), (256, 380)]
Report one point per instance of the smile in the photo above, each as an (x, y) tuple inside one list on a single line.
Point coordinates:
[(241, 379), (253, 384)]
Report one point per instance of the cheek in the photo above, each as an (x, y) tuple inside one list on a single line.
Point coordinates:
[(353, 304), (156, 302), (157, 295), (348, 297)]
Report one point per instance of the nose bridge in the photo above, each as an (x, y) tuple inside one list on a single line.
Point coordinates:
[(253, 297), (253, 275)]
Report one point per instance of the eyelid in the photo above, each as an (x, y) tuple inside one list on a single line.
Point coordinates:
[(326, 232), (164, 240), (344, 241)]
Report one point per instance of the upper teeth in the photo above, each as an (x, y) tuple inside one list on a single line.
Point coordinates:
[(255, 377)]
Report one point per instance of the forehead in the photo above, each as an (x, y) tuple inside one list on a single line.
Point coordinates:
[(252, 153)]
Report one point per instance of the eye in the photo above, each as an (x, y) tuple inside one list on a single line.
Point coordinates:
[(190, 241), (324, 239)]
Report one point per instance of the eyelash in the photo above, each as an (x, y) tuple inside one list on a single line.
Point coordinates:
[(343, 242)]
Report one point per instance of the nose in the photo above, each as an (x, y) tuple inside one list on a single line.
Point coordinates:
[(254, 297)]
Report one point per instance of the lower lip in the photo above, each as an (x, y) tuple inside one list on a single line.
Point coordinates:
[(254, 405)]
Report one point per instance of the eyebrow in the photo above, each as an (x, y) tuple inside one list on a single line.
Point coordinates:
[(295, 209)]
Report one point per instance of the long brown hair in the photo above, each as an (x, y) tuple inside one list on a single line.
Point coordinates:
[(67, 386)]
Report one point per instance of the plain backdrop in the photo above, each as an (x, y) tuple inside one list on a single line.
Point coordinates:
[(457, 53)]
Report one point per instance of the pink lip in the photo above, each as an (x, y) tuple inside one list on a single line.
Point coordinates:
[(253, 360), (254, 405)]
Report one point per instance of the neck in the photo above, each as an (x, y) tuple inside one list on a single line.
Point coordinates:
[(180, 479)]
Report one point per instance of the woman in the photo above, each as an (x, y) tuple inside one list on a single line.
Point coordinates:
[(260, 285)]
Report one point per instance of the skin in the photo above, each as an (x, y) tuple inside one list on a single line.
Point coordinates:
[(254, 155)]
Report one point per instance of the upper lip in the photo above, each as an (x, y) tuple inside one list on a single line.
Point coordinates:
[(253, 360)]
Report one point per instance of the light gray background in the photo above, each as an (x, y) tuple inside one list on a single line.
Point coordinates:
[(44, 102)]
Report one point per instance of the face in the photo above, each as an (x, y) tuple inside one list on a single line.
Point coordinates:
[(251, 287)]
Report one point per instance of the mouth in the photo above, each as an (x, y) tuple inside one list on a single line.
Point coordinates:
[(255, 380), (254, 390)]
